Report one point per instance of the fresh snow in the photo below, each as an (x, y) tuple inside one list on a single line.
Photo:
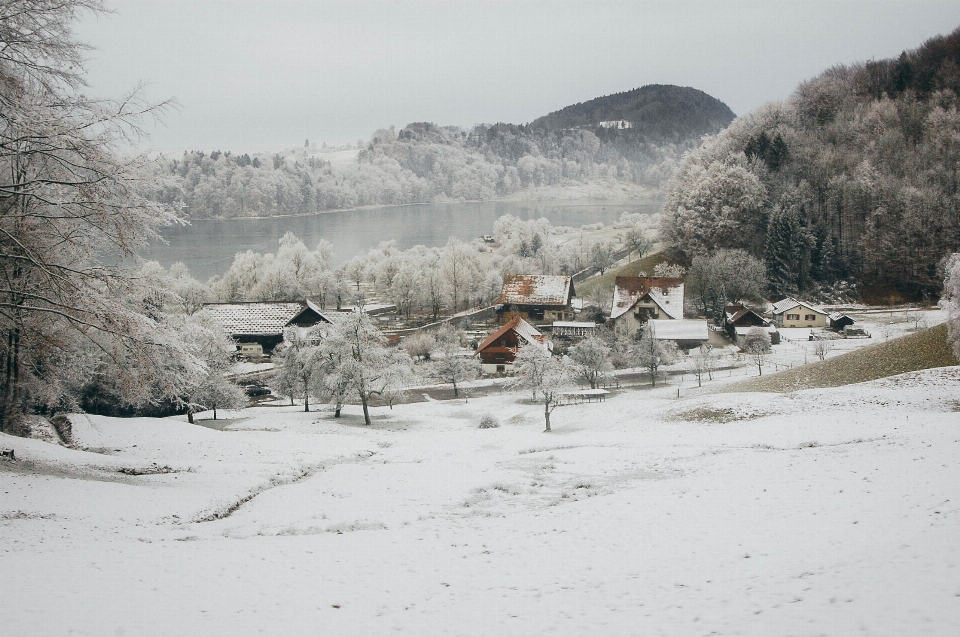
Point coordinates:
[(822, 512)]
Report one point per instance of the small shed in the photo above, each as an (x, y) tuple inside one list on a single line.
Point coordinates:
[(839, 321)]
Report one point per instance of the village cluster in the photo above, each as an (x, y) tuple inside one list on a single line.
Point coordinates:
[(542, 312)]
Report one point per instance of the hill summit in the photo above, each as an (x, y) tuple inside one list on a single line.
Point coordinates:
[(656, 112)]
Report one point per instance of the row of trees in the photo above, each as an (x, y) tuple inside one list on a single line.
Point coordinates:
[(425, 281), (854, 177)]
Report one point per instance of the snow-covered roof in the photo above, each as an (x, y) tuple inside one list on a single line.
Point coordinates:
[(536, 289), (261, 318), (742, 312), (582, 324), (524, 330), (253, 318), (836, 316), (666, 292), (680, 330), (789, 303)]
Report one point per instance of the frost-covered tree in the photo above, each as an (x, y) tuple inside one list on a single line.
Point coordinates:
[(71, 206), (460, 270), (547, 376), (724, 277), (636, 239), (601, 255), (419, 345), (365, 366), (756, 345), (450, 362), (590, 358), (951, 300), (650, 352), (704, 361), (299, 359), (208, 342)]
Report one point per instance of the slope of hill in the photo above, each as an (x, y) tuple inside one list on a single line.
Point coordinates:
[(923, 350), (853, 178), (656, 112)]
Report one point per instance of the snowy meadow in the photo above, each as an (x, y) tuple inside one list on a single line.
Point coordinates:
[(817, 512)]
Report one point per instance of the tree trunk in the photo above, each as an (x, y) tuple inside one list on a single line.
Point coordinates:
[(214, 413), (366, 410), (455, 394), (306, 402), (190, 416), (546, 415), (336, 411)]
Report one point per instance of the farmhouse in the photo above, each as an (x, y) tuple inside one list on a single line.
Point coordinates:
[(498, 351), (258, 327), (536, 297), (793, 313), (638, 299)]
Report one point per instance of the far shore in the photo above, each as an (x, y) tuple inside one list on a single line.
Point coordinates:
[(612, 193)]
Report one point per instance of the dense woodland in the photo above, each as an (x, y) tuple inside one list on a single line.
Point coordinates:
[(424, 162), (855, 177)]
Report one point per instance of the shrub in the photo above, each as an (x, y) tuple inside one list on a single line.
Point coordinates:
[(488, 422)]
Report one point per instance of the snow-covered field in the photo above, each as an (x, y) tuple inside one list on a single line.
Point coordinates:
[(832, 512)]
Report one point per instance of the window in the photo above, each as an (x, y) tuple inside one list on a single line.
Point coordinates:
[(793, 317), (501, 368), (809, 317)]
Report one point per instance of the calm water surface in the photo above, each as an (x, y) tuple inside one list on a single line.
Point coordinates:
[(208, 246)]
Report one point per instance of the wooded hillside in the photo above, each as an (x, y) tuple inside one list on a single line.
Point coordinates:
[(424, 162), (854, 177), (657, 112)]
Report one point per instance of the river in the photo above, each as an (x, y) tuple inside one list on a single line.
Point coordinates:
[(207, 246)]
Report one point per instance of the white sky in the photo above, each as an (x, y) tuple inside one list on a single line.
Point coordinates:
[(264, 75)]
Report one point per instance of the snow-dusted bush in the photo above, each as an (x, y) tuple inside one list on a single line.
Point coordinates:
[(488, 421)]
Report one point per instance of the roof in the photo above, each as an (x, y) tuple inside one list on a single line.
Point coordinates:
[(836, 316), (524, 330), (743, 311), (583, 324), (666, 292), (789, 303), (259, 318), (680, 330), (536, 289)]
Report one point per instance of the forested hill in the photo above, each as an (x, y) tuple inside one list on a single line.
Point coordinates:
[(855, 177), (657, 112), (424, 162)]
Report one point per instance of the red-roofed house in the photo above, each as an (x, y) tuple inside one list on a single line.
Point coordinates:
[(536, 297), (498, 351), (638, 299)]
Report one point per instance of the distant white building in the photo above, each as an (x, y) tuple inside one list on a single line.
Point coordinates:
[(619, 124)]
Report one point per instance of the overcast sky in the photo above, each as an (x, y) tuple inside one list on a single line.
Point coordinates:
[(261, 75)]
